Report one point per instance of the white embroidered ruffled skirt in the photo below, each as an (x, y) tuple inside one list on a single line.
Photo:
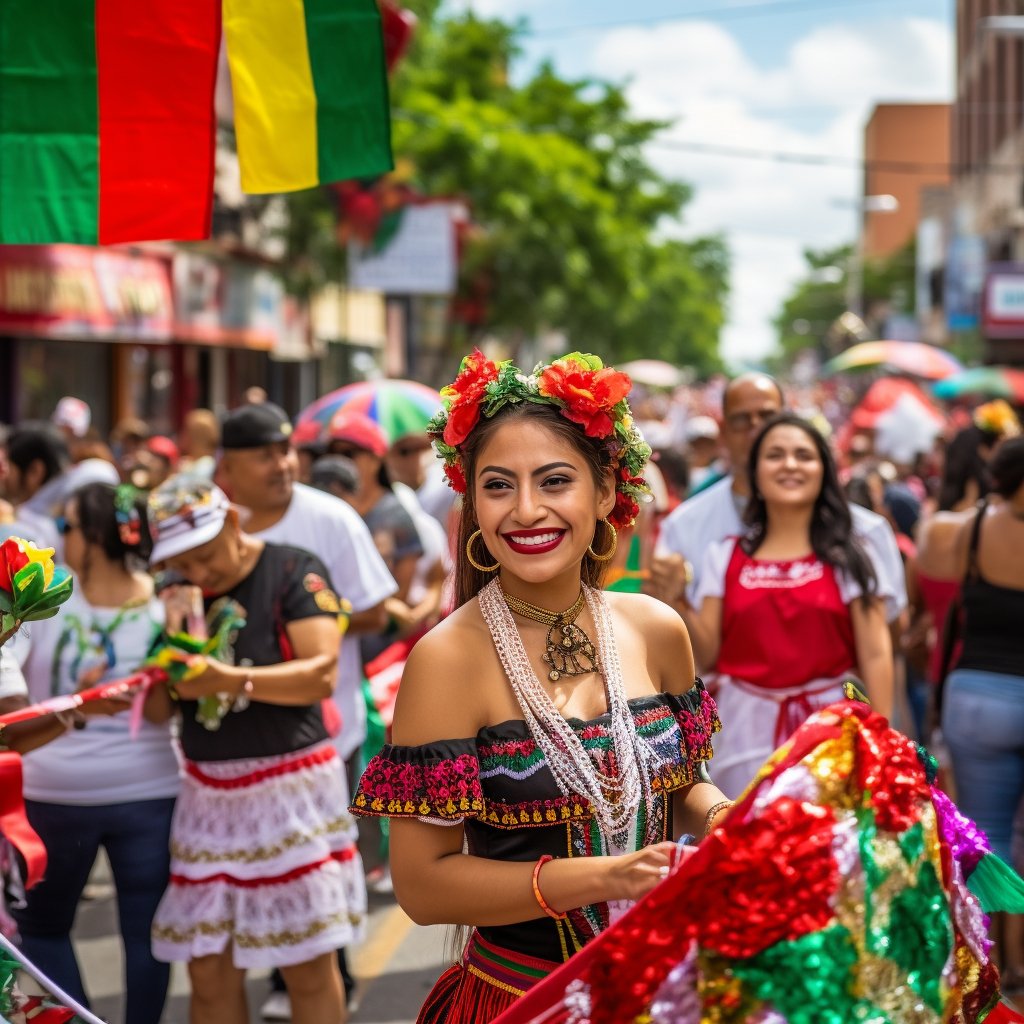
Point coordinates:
[(264, 859)]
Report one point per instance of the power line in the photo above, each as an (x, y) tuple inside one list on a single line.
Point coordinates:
[(828, 160), (719, 13), (746, 153)]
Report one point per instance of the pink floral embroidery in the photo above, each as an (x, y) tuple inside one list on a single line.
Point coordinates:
[(698, 724), (448, 789)]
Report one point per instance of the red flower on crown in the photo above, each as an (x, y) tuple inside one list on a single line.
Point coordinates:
[(465, 395), (589, 395), (625, 512), (457, 479)]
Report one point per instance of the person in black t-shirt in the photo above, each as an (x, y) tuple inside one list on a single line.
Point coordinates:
[(264, 868)]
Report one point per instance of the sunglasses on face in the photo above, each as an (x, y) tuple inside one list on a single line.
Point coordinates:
[(748, 420), (64, 525)]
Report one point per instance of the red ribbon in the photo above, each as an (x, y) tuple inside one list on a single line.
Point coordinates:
[(13, 824), (115, 688)]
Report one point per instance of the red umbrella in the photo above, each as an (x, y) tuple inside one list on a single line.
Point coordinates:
[(883, 395)]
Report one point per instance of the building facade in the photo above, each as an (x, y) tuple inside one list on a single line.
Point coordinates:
[(906, 150), (988, 154)]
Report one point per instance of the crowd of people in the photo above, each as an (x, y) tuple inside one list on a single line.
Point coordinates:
[(596, 652)]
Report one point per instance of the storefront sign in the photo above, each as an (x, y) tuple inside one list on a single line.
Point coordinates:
[(965, 274), (69, 291), (226, 303), (1003, 301), (421, 259)]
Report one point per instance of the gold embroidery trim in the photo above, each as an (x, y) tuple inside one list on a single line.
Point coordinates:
[(189, 856), (247, 940), (473, 969)]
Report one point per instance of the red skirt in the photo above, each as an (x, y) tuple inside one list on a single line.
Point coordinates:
[(487, 982)]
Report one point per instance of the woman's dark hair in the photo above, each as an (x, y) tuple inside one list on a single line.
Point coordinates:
[(595, 451), (1008, 467), (832, 537), (965, 461), (121, 532)]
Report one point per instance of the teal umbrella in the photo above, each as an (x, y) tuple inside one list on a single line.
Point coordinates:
[(990, 381)]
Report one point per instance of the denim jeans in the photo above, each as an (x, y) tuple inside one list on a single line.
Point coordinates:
[(135, 836), (983, 723)]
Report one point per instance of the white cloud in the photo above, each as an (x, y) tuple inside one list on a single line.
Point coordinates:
[(816, 100)]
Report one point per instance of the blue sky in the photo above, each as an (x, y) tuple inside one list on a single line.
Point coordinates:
[(766, 75)]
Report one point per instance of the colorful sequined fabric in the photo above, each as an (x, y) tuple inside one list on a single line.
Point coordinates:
[(842, 887)]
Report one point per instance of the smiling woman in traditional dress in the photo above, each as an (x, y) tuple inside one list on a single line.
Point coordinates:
[(549, 738), (790, 610)]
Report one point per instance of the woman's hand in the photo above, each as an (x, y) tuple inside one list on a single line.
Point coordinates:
[(217, 677), (109, 706), (633, 875)]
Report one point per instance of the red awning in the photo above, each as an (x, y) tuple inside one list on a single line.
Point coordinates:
[(73, 291)]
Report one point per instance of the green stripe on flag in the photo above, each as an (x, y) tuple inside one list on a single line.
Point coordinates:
[(346, 54), (49, 151)]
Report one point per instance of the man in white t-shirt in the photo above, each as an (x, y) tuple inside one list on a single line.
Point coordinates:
[(748, 402)]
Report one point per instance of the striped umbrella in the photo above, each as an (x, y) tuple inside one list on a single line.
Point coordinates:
[(990, 381), (913, 357), (398, 407)]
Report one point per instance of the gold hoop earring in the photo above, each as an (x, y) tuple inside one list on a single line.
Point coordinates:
[(469, 554), (611, 550)]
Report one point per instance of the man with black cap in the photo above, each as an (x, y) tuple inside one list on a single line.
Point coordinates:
[(258, 469)]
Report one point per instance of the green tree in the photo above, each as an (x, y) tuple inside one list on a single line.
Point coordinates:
[(811, 314), (573, 214), (575, 225)]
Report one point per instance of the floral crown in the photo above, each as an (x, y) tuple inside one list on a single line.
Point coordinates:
[(580, 386)]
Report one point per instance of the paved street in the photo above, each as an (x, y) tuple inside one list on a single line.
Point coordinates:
[(396, 965)]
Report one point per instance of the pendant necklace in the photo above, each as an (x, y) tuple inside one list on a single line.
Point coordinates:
[(568, 651), (615, 795)]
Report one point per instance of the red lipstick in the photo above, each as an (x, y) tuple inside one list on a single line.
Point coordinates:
[(533, 547)]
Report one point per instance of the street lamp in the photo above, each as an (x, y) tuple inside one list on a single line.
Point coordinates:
[(1002, 25), (883, 203)]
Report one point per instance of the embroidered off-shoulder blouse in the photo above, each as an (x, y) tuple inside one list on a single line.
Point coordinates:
[(497, 784)]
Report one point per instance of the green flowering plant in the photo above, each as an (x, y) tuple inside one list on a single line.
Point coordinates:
[(579, 385)]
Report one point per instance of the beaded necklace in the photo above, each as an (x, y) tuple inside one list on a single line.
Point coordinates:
[(615, 798)]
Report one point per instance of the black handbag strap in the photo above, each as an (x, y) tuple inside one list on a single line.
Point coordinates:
[(952, 628)]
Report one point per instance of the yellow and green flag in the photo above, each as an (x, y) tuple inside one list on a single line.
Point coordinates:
[(310, 91)]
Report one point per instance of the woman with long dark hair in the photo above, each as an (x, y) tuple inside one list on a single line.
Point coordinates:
[(549, 737), (792, 608), (98, 786)]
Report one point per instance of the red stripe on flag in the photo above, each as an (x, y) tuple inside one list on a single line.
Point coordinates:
[(157, 68)]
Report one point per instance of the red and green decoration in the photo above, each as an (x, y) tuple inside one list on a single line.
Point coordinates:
[(31, 586), (843, 886)]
